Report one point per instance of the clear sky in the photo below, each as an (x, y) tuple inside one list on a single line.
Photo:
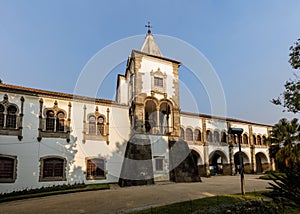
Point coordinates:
[(45, 44)]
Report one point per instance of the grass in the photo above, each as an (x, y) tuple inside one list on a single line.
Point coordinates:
[(41, 193), (201, 204), (221, 204)]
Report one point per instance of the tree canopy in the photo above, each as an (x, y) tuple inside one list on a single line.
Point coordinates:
[(290, 98), (284, 140)]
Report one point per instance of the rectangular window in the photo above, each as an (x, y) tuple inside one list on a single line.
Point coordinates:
[(158, 82), (7, 169), (159, 164), (95, 168), (53, 168)]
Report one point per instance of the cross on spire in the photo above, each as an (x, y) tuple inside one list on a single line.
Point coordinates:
[(148, 26)]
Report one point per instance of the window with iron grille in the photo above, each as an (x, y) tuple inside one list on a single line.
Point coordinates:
[(92, 125), (7, 168), (11, 118), (95, 168), (60, 122), (53, 168), (158, 81), (50, 121)]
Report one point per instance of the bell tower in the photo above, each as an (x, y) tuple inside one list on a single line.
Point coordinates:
[(153, 93)]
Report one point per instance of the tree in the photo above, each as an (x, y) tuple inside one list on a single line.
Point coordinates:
[(284, 143), (290, 98)]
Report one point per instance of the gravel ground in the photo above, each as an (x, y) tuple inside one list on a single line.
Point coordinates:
[(120, 200)]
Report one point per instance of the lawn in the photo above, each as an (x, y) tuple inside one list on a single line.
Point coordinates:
[(253, 202)]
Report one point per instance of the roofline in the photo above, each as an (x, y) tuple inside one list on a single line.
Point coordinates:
[(159, 57), (65, 96), (223, 118), (51, 94)]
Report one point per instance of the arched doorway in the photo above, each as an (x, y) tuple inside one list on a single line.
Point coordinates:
[(261, 162), (217, 162), (198, 161), (237, 164), (150, 117)]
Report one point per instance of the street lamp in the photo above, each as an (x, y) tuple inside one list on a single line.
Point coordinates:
[(239, 132)]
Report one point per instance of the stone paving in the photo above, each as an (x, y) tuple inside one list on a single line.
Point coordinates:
[(122, 200)]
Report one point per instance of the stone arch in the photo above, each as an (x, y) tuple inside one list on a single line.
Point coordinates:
[(182, 135), (165, 118), (189, 135), (216, 136), (262, 163), (246, 162), (198, 161), (264, 140), (150, 116), (218, 162), (245, 139), (223, 137), (254, 139), (258, 138), (209, 137), (197, 134)]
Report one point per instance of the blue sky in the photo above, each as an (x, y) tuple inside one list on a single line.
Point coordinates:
[(45, 44)]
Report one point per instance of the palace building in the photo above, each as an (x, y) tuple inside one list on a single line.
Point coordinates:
[(52, 138)]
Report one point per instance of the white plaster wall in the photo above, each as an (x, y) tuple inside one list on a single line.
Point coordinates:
[(149, 64), (160, 148), (29, 150), (190, 121), (216, 124), (260, 130)]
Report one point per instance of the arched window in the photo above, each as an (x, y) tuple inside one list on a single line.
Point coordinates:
[(208, 136), (216, 136), (189, 134), (60, 122), (95, 169), (254, 139), (264, 140), (11, 118), (100, 125), (223, 137), (258, 140), (234, 139), (92, 125), (197, 135), (50, 120), (151, 122), (53, 169), (165, 118), (7, 169), (1, 115), (181, 133), (245, 139)]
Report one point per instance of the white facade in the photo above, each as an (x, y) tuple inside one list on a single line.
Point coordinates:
[(34, 149)]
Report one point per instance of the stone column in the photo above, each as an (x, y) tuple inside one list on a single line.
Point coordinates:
[(252, 151), (231, 159), (205, 149)]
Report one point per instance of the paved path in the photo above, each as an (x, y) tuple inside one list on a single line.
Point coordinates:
[(119, 200)]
